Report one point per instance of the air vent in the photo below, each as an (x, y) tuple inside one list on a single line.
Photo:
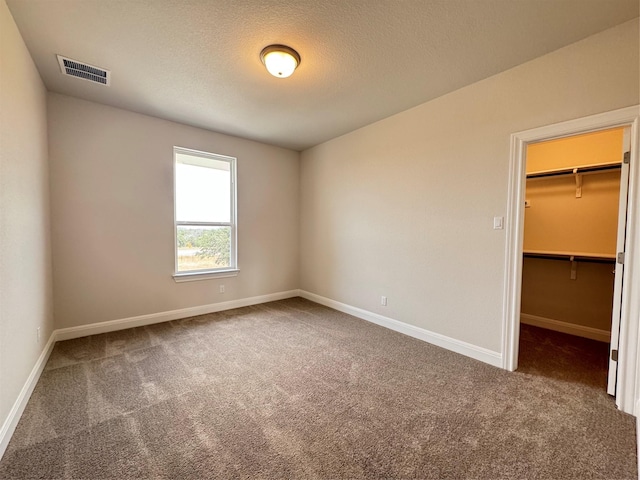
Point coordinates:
[(83, 70)]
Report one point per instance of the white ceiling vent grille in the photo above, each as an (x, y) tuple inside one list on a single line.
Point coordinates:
[(84, 71)]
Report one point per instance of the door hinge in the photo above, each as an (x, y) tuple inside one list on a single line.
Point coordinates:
[(614, 355), (626, 158), (621, 258)]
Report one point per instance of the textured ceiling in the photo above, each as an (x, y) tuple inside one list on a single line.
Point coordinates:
[(197, 62)]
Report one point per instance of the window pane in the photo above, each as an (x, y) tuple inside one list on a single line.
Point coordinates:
[(203, 194), (203, 248)]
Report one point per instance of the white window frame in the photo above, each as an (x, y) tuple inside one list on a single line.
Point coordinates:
[(204, 274)]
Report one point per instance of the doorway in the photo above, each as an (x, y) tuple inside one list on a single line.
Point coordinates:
[(629, 301), (574, 226)]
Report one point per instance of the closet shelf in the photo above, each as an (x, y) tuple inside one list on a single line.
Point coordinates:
[(577, 256), (576, 170)]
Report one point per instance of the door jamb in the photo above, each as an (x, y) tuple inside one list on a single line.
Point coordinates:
[(628, 385)]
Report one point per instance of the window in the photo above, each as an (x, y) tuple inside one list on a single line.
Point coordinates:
[(205, 214)]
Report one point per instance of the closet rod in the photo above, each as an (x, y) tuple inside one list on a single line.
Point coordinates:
[(577, 258), (570, 171)]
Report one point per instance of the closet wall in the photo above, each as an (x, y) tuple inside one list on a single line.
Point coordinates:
[(575, 297)]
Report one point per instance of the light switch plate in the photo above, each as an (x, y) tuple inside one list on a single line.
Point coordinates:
[(498, 223)]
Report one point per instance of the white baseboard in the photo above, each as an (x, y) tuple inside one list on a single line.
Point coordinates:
[(11, 422), (458, 346), (565, 327), (473, 351), (124, 323)]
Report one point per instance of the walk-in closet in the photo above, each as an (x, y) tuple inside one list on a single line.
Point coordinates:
[(573, 209)]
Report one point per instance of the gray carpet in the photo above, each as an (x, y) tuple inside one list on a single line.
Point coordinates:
[(292, 389)]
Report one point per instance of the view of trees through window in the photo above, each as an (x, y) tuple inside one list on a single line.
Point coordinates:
[(203, 247), (204, 206)]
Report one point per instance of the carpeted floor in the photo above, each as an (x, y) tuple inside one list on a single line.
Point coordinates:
[(292, 389)]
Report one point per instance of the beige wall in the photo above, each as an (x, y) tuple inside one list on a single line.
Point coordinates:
[(549, 292), (594, 148), (112, 201), (25, 255), (404, 207), (557, 221)]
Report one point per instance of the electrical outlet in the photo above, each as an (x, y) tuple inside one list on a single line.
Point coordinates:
[(383, 301), (221, 288), (38, 335)]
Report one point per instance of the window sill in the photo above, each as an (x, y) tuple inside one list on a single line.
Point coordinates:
[(195, 276)]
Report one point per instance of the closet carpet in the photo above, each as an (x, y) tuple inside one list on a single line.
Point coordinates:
[(292, 389)]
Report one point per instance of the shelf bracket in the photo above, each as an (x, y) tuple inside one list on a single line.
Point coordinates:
[(578, 183), (574, 268)]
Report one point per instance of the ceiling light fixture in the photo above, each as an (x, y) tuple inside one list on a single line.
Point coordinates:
[(280, 60)]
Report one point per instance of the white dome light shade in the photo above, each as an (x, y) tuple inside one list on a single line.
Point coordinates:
[(280, 60)]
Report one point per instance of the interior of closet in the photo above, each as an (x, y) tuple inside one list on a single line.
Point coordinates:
[(570, 242)]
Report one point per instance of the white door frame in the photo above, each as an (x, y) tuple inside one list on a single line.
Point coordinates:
[(628, 385), (619, 270)]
